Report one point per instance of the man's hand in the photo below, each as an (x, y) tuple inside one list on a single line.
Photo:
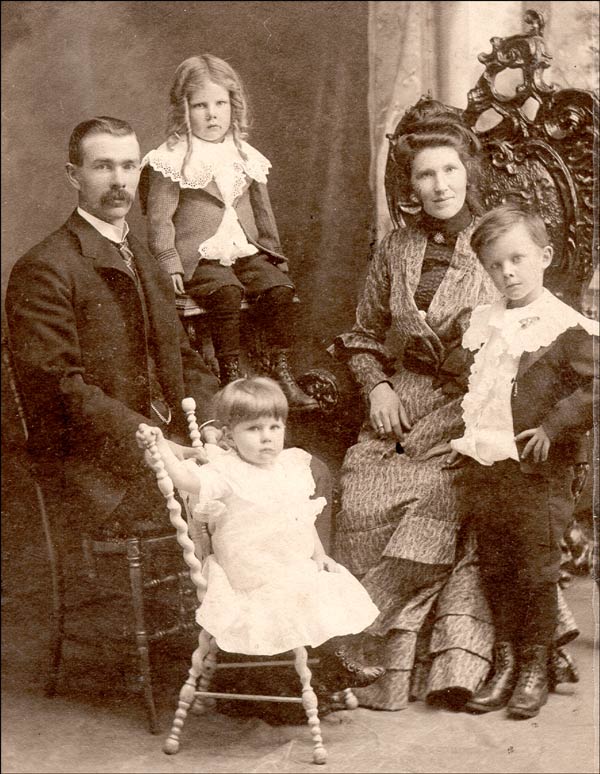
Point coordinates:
[(386, 412), (538, 444), (455, 459), (178, 284)]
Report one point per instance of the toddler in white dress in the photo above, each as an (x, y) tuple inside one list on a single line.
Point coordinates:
[(271, 587)]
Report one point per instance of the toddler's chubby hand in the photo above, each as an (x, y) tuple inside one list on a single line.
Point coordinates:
[(326, 563), (145, 434)]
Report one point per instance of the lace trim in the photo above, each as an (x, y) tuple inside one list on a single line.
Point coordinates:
[(207, 162), (525, 329)]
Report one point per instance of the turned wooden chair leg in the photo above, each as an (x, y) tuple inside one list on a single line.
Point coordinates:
[(134, 559), (347, 697), (188, 690), (204, 704), (310, 704), (57, 581), (57, 635)]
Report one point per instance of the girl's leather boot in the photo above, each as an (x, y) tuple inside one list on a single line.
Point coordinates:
[(496, 692), (531, 690), (281, 372)]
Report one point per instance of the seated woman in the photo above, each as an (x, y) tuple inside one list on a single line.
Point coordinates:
[(399, 529)]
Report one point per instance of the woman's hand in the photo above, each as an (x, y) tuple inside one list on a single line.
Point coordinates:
[(386, 412), (538, 444), (326, 563), (178, 284)]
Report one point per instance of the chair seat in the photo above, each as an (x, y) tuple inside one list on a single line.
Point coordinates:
[(116, 531), (187, 307)]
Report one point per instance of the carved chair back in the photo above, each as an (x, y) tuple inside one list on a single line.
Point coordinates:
[(540, 150)]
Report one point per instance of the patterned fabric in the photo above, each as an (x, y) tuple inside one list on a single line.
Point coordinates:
[(128, 259), (399, 522)]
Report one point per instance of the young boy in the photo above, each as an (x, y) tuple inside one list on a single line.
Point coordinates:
[(528, 407)]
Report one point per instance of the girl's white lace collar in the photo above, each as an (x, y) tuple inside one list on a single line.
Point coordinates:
[(207, 160), (526, 328)]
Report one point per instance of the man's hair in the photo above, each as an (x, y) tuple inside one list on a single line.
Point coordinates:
[(501, 219), (247, 399), (97, 125)]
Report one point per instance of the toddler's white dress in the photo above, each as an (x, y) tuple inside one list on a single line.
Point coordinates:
[(265, 594)]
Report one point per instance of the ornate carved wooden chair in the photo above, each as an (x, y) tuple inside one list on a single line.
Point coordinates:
[(131, 592), (538, 146), (195, 695)]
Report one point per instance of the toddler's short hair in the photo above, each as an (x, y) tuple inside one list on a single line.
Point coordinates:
[(246, 399), (498, 221)]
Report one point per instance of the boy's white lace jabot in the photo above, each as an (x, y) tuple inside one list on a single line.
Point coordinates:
[(527, 328)]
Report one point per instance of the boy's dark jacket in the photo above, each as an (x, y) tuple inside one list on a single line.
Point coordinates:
[(554, 388)]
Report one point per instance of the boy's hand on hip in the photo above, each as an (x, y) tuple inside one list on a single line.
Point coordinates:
[(538, 445)]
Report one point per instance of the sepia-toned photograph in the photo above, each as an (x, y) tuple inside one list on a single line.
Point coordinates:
[(300, 316)]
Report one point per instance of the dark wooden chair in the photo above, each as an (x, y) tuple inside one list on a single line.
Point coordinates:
[(125, 594)]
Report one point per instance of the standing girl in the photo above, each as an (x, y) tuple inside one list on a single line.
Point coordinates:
[(271, 587), (210, 222)]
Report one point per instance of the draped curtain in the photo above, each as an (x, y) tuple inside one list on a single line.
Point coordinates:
[(417, 48)]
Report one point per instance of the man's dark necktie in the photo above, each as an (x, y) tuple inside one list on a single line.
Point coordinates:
[(128, 259)]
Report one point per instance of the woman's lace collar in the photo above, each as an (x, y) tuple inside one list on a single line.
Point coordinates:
[(526, 328), (206, 161)]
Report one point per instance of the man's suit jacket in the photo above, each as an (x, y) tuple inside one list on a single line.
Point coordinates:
[(554, 389), (81, 341), (180, 219)]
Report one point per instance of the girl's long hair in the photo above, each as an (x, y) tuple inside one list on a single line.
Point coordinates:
[(193, 74)]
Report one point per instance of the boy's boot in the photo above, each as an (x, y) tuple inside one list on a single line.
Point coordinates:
[(338, 669), (280, 370), (531, 690), (229, 370), (495, 693)]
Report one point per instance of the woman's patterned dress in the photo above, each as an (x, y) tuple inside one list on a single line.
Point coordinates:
[(399, 528)]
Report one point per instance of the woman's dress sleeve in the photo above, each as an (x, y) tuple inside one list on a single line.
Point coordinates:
[(363, 348)]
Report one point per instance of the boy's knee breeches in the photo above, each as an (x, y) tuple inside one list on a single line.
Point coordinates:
[(520, 519)]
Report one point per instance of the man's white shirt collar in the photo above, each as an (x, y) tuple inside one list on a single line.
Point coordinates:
[(114, 233)]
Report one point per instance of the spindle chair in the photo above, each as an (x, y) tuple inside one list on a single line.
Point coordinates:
[(152, 601), (195, 542)]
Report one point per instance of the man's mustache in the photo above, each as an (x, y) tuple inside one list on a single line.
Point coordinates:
[(111, 197)]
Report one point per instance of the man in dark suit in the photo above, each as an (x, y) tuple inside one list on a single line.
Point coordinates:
[(97, 344)]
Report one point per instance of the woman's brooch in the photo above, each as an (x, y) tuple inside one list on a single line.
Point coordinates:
[(439, 238), (527, 321)]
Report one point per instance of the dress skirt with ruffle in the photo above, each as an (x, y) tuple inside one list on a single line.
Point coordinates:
[(265, 593)]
